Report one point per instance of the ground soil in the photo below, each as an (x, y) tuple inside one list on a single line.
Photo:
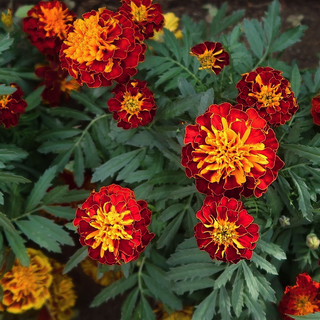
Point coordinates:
[(305, 53)]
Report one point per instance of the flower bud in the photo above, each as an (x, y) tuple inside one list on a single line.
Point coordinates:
[(7, 20), (312, 241), (284, 221)]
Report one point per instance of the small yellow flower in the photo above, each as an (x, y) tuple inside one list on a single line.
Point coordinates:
[(171, 22), (7, 18)]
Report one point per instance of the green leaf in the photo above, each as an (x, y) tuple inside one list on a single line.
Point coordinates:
[(61, 212), (172, 211), (82, 98), (317, 80), (237, 295), (206, 309), (263, 264), (5, 43), (90, 152), (189, 256), (128, 304), (310, 153), (10, 177), (224, 304), (57, 146), (34, 98), (253, 37), (19, 249), (192, 285), (226, 275), (6, 223), (57, 134), (75, 259), (4, 89), (266, 291), (61, 160), (169, 232), (272, 22), (78, 166), (22, 11), (40, 188), (295, 80), (172, 43), (146, 312), (272, 249), (206, 100), (311, 316), (114, 289), (55, 195), (113, 165), (161, 293), (250, 279), (255, 307), (69, 113), (75, 195)]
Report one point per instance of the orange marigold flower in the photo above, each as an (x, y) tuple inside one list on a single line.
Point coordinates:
[(184, 314), (113, 225), (133, 104), (315, 109), (46, 25), (269, 93), (11, 107), (231, 152), (90, 268), (148, 17), (101, 49), (25, 288), (211, 56), (226, 230), (56, 84), (301, 299)]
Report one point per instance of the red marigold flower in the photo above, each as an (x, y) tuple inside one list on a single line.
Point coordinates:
[(211, 56), (226, 230), (56, 84), (231, 152), (133, 104), (101, 49), (269, 93), (315, 109), (114, 225), (46, 25), (11, 107), (146, 16), (301, 299)]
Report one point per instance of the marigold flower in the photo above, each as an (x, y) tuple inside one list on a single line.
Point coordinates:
[(46, 25), (301, 299), (171, 22), (315, 109), (211, 56), (101, 49), (148, 17), (231, 152), (133, 104), (184, 314), (56, 84), (90, 268), (6, 18), (25, 288), (11, 107), (226, 230), (269, 93), (113, 225)]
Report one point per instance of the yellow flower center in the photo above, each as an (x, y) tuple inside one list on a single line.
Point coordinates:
[(110, 226), (268, 95), (4, 98), (139, 13), (55, 20), (224, 233), (68, 86), (7, 18), (132, 104), (90, 40), (226, 153), (305, 306), (208, 59)]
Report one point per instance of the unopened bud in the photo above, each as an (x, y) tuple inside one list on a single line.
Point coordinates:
[(284, 221), (7, 20), (312, 241)]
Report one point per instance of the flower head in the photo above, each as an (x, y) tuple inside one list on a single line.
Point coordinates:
[(226, 230), (101, 48), (46, 25), (315, 109), (184, 314), (301, 299), (312, 241), (113, 225), (90, 268), (133, 104), (211, 56), (147, 16), (6, 18), (25, 288), (11, 107), (56, 83), (171, 22), (265, 90), (231, 152)]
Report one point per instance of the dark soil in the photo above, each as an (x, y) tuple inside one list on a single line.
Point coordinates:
[(305, 53)]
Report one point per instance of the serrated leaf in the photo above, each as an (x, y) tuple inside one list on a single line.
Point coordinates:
[(57, 134), (272, 22), (57, 146), (295, 80), (78, 166), (206, 309), (10, 177), (172, 43), (40, 188), (75, 259), (146, 312), (6, 223), (311, 316), (172, 211), (113, 165), (206, 100), (19, 249), (251, 281), (75, 195), (253, 37), (114, 289), (189, 256), (266, 291), (272, 249), (61, 212), (192, 285), (90, 152), (224, 304), (226, 275), (82, 98), (34, 98), (310, 153), (237, 296), (69, 113), (5, 43), (317, 80), (4, 89), (128, 304), (55, 194), (263, 264), (255, 308)]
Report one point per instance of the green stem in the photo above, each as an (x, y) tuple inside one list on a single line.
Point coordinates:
[(139, 274), (262, 58), (294, 166)]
